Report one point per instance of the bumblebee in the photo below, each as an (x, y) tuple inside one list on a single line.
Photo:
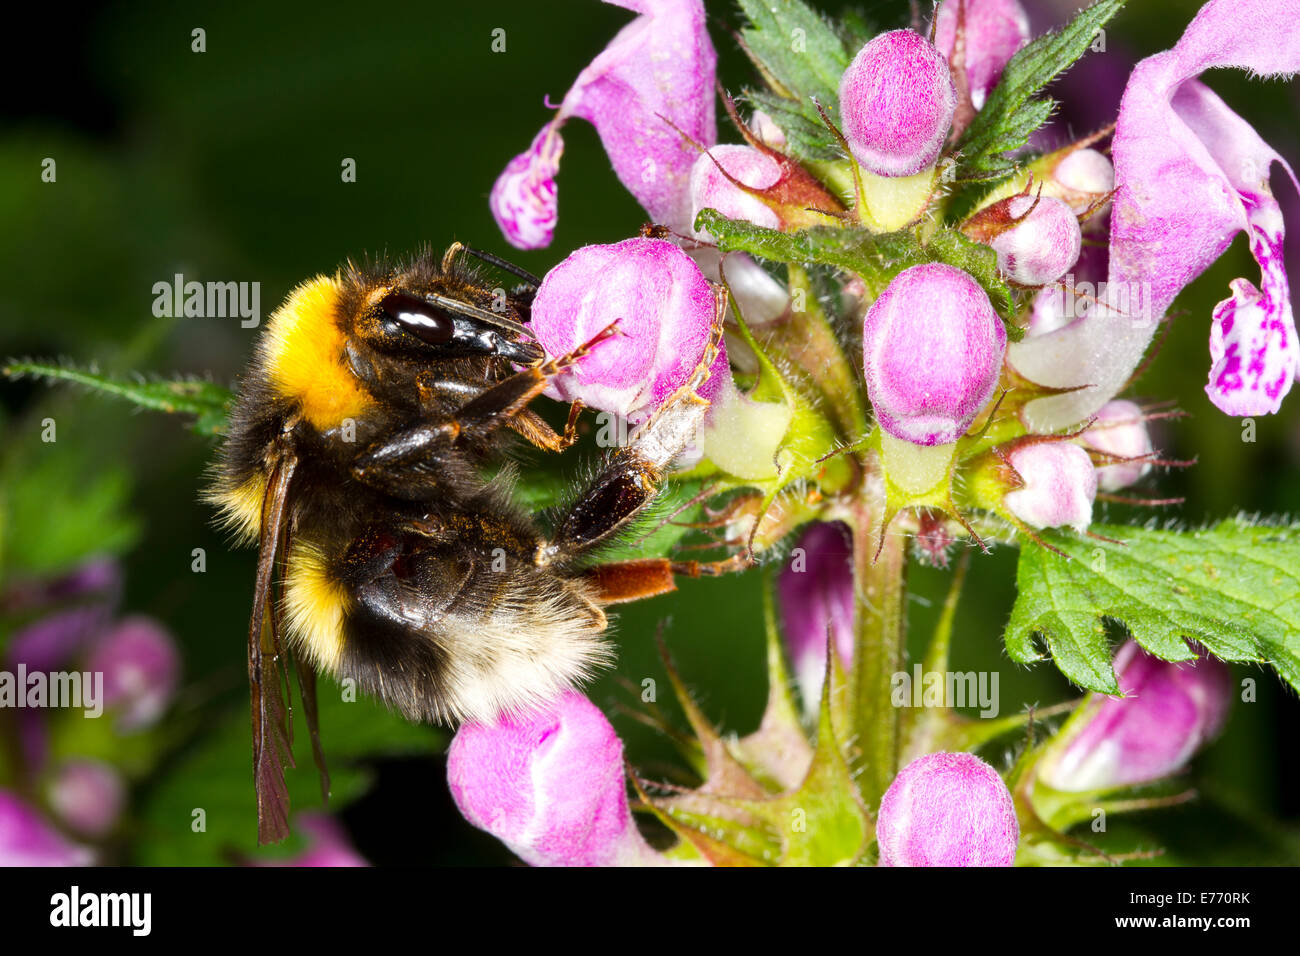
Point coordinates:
[(355, 458)]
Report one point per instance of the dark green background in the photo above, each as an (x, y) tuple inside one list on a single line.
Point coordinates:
[(225, 165)]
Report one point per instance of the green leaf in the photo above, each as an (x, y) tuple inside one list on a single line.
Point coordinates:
[(876, 257), (206, 401), (1234, 587), (802, 57), (1013, 111), (61, 507)]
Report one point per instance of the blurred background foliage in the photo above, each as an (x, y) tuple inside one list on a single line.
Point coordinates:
[(225, 165)]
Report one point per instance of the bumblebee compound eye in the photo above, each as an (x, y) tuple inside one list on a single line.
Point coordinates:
[(426, 322)]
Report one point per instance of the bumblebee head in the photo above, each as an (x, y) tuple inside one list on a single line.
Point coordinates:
[(442, 317)]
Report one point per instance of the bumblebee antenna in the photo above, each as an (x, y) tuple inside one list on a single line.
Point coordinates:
[(491, 259)]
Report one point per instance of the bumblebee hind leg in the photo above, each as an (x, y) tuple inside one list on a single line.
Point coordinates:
[(628, 482)]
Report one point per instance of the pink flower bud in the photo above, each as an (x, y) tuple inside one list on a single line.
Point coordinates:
[(947, 809), (88, 795), (1121, 431), (327, 845), (550, 785), (994, 31), (1085, 171), (664, 308), (766, 131), (524, 201), (1167, 713), (26, 839), (932, 349), (896, 104), (816, 594), (1042, 246), (710, 189), (141, 668), (1060, 485)]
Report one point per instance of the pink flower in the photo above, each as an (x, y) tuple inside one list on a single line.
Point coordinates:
[(932, 352), (1191, 175), (27, 839), (1060, 485), (141, 668), (664, 308), (995, 31), (896, 104), (1120, 430), (656, 74), (1168, 712), (550, 785), (947, 809), (88, 795), (816, 594)]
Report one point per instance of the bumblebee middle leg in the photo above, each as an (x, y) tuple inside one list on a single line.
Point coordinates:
[(417, 453)]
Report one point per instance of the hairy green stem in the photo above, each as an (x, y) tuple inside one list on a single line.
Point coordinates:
[(879, 646)]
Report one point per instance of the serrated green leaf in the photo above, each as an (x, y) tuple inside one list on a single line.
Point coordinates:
[(802, 56), (1012, 111), (206, 401), (1235, 588), (876, 257)]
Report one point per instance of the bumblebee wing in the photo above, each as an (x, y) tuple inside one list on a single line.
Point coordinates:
[(307, 687), (271, 748)]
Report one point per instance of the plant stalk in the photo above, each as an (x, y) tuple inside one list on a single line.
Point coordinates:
[(880, 638)]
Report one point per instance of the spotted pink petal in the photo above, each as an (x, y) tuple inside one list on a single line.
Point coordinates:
[(524, 199), (651, 84), (1191, 174)]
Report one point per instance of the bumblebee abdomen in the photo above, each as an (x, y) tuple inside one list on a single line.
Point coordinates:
[(441, 633)]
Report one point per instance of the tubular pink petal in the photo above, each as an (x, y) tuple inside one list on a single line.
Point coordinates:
[(141, 669), (28, 839), (1169, 711), (815, 589), (1191, 174), (649, 94)]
